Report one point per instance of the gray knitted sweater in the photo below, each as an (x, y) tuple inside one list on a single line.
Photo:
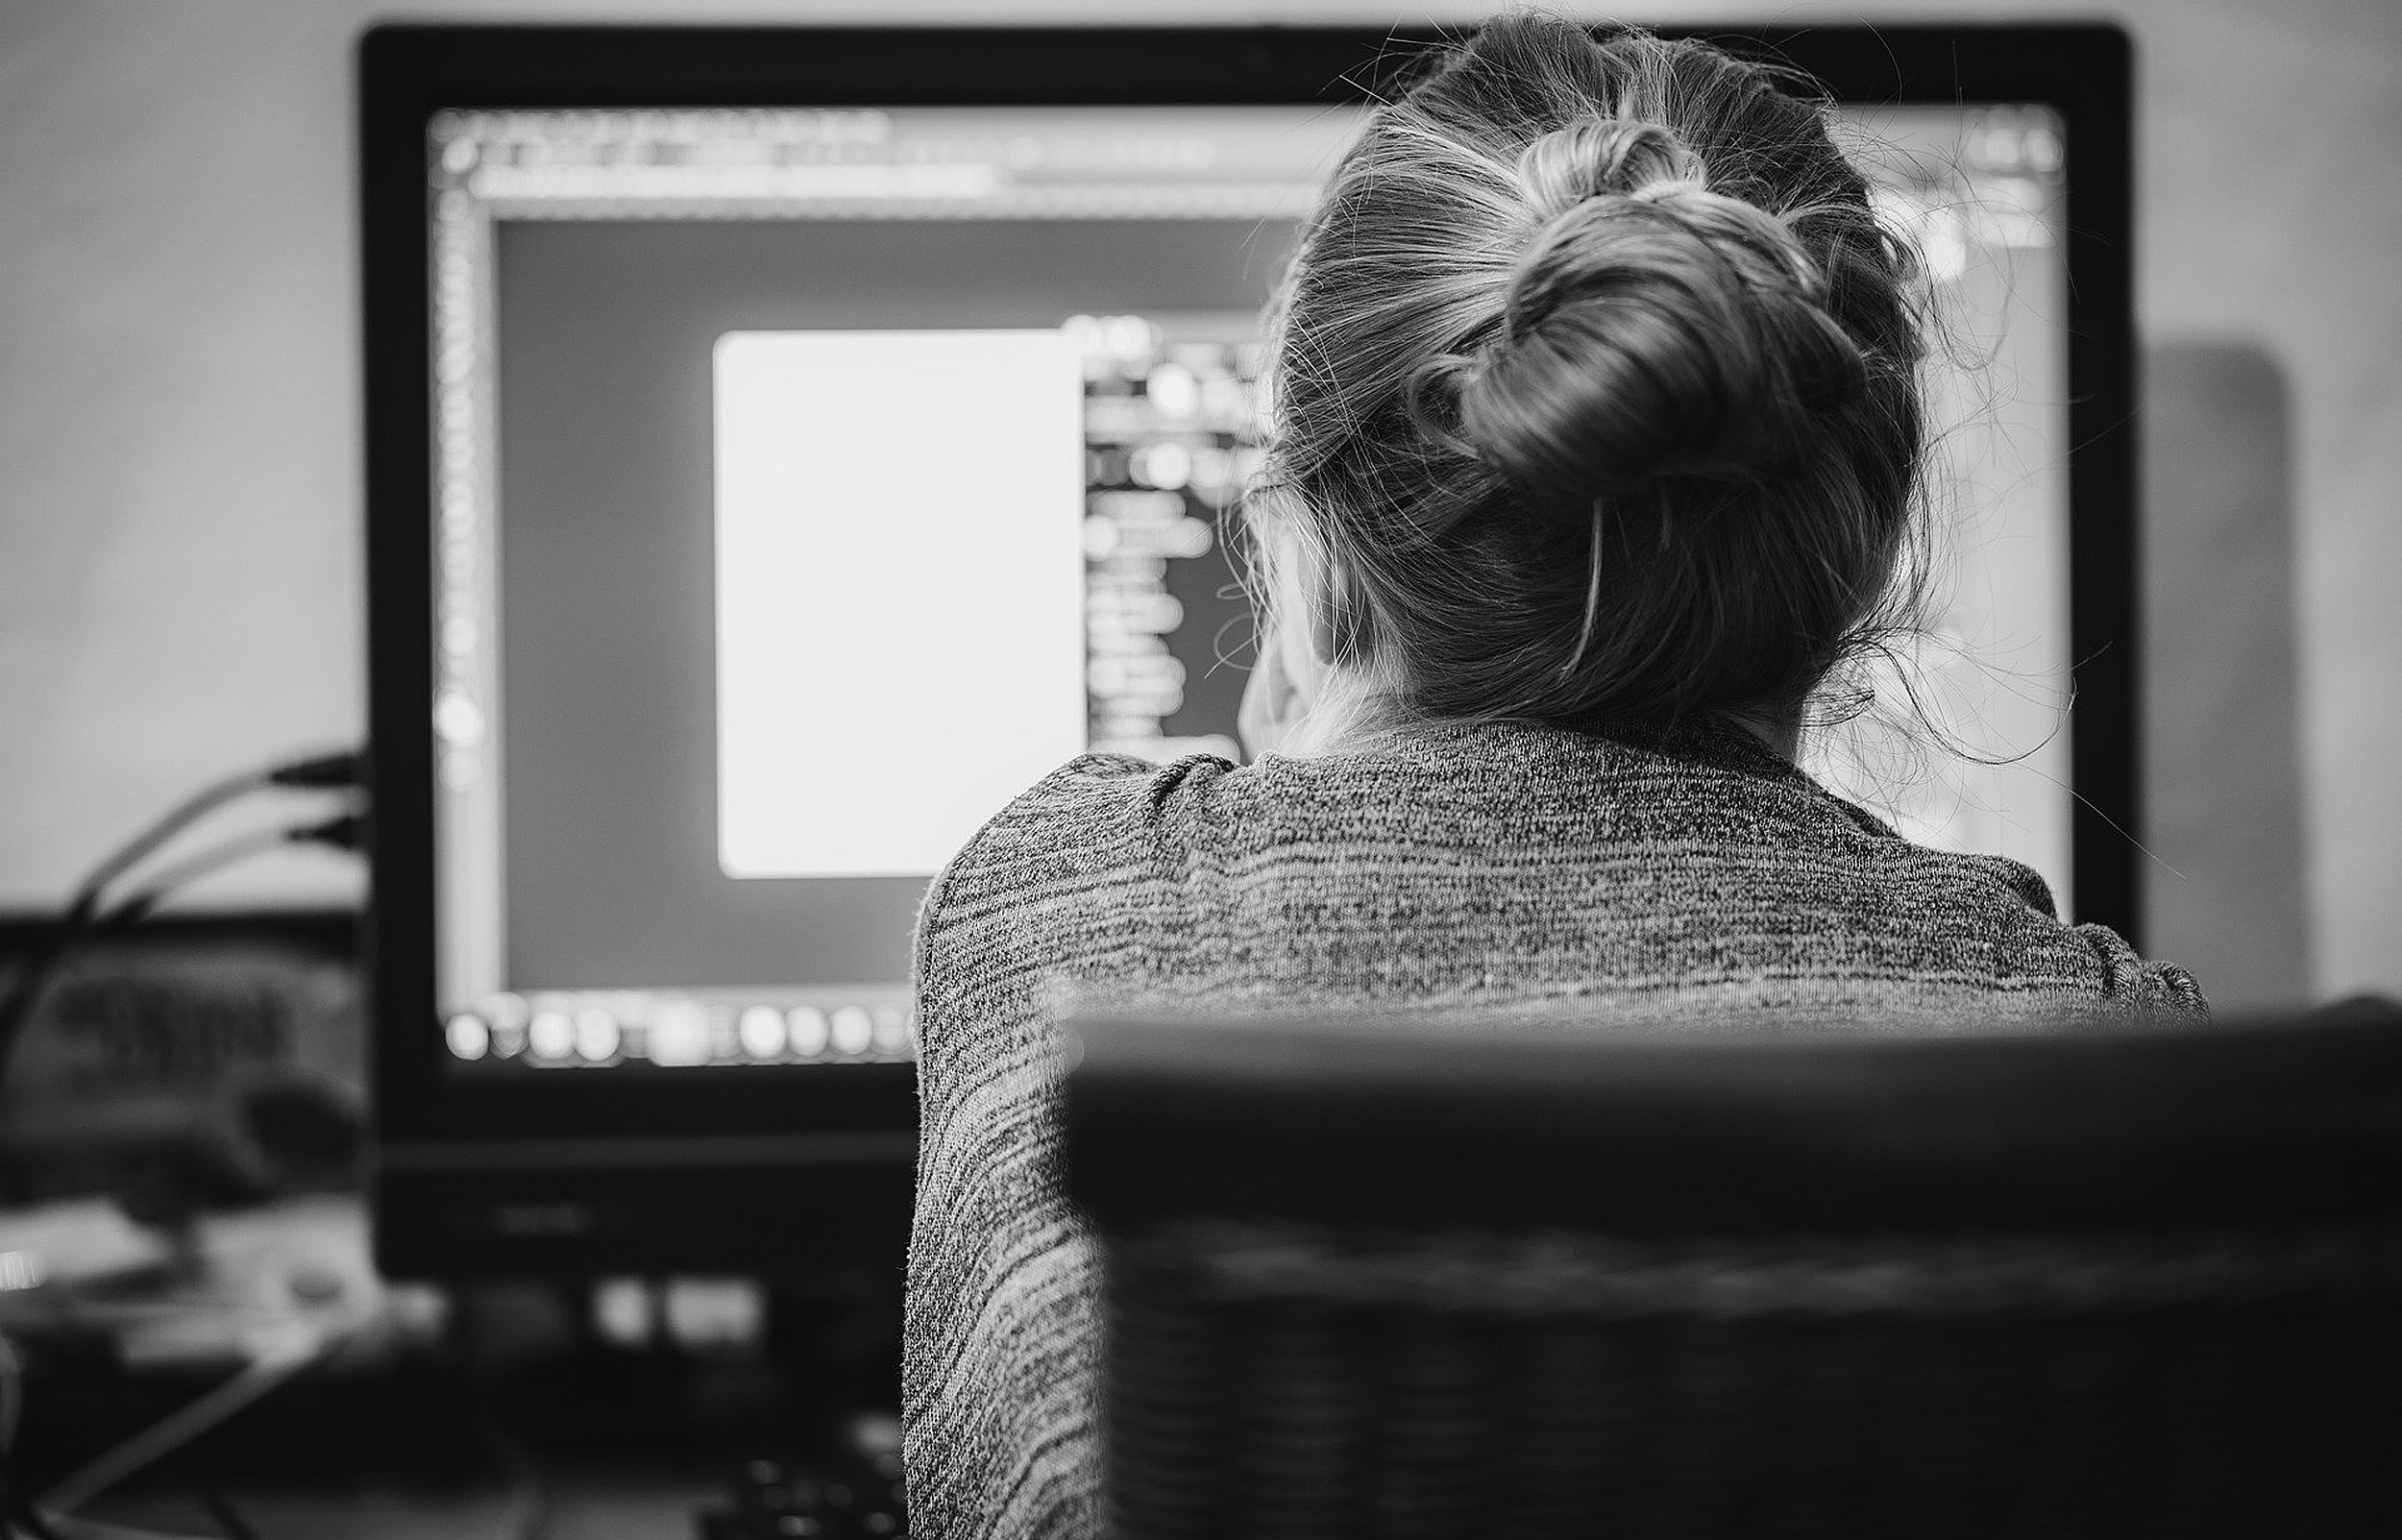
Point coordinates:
[(1691, 877)]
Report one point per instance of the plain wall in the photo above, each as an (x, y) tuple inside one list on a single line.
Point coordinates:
[(179, 506)]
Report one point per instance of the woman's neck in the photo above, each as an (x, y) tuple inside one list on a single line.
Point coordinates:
[(1781, 732)]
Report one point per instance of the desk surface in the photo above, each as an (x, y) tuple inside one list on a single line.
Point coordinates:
[(504, 1403)]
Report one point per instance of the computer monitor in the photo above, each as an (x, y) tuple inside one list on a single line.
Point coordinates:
[(785, 445)]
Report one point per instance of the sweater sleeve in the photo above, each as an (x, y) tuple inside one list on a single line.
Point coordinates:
[(999, 1370), (2163, 990)]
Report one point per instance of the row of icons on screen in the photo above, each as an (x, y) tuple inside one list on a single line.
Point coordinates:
[(676, 1032), (1168, 429)]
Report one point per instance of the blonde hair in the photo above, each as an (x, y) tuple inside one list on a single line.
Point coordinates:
[(1596, 388)]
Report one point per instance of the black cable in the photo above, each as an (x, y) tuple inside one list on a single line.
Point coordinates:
[(274, 1365), (177, 818), (183, 873), (529, 1516), (316, 773), (340, 832), (321, 773), (222, 1512), (19, 1509)]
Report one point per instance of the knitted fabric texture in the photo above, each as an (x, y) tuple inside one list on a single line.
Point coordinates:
[(1690, 878)]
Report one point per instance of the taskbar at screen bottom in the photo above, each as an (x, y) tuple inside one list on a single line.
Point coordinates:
[(512, 1031)]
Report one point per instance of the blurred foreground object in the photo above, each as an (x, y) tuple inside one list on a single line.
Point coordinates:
[(187, 1067), (1388, 1277), (223, 1063)]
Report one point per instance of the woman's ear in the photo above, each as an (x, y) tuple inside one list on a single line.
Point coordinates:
[(1333, 618), (1286, 673), (1321, 637), (1272, 707)]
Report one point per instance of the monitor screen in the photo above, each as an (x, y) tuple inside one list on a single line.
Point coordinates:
[(1968, 742), (790, 445), (811, 483)]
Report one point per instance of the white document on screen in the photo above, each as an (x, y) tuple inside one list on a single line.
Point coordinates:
[(899, 591)]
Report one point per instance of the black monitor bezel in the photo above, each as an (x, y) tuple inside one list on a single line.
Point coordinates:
[(406, 73)]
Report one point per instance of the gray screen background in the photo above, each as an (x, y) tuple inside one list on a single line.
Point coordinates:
[(606, 562)]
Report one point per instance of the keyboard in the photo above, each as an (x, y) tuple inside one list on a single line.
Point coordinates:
[(853, 1496)]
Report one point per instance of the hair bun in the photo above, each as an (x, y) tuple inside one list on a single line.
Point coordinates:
[(1652, 329)]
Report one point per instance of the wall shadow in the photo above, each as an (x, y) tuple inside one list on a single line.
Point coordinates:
[(2222, 748)]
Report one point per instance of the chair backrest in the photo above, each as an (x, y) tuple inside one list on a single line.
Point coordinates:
[(1409, 1278)]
